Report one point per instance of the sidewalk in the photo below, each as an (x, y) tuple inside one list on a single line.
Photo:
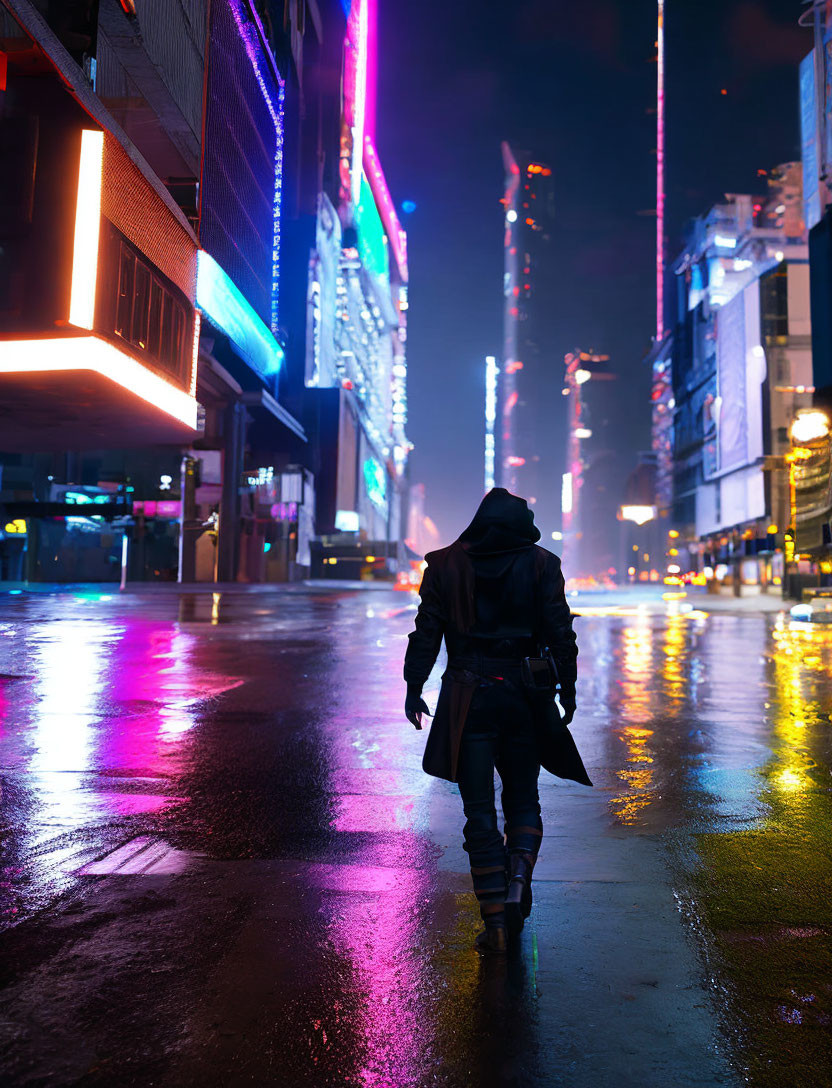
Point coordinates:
[(660, 598), (318, 585)]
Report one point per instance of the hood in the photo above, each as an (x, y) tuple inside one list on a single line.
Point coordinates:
[(503, 523)]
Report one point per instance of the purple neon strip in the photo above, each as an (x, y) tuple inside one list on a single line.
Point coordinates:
[(278, 196), (254, 39)]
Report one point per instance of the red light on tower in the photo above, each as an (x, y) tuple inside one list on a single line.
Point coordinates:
[(515, 462)]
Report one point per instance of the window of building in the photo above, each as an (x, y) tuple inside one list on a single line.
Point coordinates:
[(149, 316), (774, 303), (126, 277)]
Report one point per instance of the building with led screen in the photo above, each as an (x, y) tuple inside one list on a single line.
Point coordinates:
[(241, 358), (742, 370), (529, 439), (356, 338), (175, 403)]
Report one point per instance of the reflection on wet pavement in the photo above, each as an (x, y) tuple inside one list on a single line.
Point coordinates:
[(215, 818)]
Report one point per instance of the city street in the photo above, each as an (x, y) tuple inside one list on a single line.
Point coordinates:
[(223, 864)]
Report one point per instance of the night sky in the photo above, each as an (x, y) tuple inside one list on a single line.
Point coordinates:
[(572, 83)]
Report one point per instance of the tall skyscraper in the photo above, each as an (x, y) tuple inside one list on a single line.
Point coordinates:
[(590, 492), (530, 446)]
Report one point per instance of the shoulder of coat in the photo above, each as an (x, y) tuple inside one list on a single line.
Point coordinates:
[(438, 557), (543, 555)]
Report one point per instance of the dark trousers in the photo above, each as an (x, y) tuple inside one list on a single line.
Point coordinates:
[(499, 733)]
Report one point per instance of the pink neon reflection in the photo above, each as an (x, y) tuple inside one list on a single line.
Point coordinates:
[(379, 929), (361, 813), (111, 697), (377, 907)]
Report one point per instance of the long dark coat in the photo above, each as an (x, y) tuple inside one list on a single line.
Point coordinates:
[(488, 587)]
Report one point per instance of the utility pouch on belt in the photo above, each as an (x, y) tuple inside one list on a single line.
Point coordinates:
[(540, 674)]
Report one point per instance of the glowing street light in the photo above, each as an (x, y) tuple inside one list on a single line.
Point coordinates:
[(638, 514), (809, 426)]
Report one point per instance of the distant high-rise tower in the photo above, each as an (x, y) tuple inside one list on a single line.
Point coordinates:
[(530, 435), (589, 495)]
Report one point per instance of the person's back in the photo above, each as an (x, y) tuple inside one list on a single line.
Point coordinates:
[(498, 601)]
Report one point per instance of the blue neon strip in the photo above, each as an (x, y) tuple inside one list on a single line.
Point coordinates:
[(220, 301), (278, 194)]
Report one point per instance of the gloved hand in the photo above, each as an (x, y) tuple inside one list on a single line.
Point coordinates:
[(415, 706), (568, 704)]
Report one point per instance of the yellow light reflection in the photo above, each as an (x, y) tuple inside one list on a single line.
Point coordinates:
[(790, 778), (636, 776), (675, 641), (802, 655)]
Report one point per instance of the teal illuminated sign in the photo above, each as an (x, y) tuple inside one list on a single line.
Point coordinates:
[(375, 481), (221, 302), (372, 240)]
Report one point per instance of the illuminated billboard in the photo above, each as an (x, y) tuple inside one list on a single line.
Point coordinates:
[(372, 240)]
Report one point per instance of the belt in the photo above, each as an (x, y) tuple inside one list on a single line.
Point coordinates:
[(486, 668)]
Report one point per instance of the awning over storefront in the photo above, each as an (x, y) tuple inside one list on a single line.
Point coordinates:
[(262, 399), (84, 393)]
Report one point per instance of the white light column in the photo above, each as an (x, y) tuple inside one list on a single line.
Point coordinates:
[(491, 373)]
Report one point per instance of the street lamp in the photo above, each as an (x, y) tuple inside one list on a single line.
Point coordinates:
[(639, 514), (808, 426)]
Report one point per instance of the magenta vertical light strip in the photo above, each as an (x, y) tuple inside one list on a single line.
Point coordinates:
[(660, 177), (372, 69)]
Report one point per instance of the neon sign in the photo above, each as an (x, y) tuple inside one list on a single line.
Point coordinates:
[(375, 482), (87, 228), (85, 353), (226, 307)]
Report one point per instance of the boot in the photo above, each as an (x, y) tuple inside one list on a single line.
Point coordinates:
[(494, 938), (519, 895)]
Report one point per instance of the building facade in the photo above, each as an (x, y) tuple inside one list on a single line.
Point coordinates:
[(169, 170), (741, 369), (589, 496), (356, 337), (529, 447)]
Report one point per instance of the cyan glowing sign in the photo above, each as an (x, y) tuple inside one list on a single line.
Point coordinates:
[(372, 241), (221, 302), (376, 483)]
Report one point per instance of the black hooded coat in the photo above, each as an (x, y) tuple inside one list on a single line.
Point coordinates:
[(493, 594)]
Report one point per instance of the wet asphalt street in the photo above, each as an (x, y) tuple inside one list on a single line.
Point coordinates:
[(224, 866)]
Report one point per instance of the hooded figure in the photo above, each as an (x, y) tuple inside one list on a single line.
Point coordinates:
[(496, 598)]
